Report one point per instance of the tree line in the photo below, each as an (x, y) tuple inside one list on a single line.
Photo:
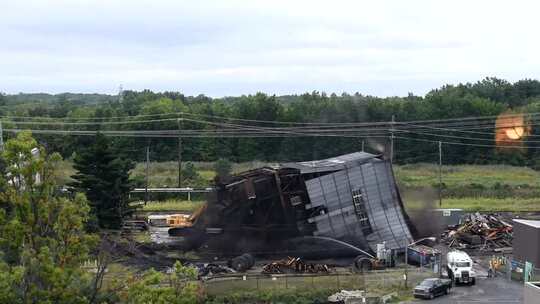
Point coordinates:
[(488, 97)]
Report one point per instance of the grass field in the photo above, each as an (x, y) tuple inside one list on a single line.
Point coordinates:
[(424, 175), (477, 204), (471, 187), (173, 205), (163, 174), (493, 204)]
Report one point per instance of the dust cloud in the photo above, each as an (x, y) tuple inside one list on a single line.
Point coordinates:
[(419, 205)]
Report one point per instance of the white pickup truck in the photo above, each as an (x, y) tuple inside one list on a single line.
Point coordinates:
[(459, 267)]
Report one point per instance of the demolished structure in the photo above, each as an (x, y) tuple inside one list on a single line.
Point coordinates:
[(480, 231), (320, 208)]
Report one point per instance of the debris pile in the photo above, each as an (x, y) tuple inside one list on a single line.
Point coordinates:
[(477, 231), (294, 265), (348, 297), (209, 270)]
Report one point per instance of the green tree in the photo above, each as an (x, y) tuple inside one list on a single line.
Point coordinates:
[(3, 100), (42, 238), (104, 178), (190, 175), (223, 167)]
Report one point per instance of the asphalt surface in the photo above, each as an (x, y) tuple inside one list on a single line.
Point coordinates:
[(487, 290), (494, 290)]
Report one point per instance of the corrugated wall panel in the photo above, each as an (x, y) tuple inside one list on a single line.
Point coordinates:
[(376, 183)]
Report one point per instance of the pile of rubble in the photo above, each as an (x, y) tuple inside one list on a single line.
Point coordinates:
[(294, 265), (209, 270), (478, 231), (348, 297)]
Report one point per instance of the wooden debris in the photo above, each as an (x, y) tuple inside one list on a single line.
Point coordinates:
[(479, 231), (294, 265)]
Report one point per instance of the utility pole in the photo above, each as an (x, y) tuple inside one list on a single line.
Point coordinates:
[(179, 154), (392, 140), (440, 174), (120, 94), (147, 173), (1, 137)]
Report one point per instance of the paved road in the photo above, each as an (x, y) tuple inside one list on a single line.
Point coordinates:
[(493, 291)]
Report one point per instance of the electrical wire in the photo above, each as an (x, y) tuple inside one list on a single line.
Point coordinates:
[(466, 144), (180, 114)]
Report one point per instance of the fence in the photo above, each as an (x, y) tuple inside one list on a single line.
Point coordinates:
[(374, 282), (515, 270)]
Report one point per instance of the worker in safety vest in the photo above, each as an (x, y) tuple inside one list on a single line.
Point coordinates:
[(492, 271)]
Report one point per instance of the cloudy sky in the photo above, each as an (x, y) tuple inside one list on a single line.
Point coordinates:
[(225, 47)]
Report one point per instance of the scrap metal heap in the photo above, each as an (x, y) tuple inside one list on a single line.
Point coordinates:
[(210, 270), (477, 231), (324, 208), (294, 265)]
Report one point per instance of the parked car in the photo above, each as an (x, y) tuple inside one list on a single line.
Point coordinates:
[(430, 288)]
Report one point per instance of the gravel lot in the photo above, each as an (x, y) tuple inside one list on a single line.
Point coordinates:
[(497, 290)]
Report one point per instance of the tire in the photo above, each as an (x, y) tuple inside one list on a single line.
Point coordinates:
[(473, 282), (450, 273), (446, 291), (242, 263), (362, 264)]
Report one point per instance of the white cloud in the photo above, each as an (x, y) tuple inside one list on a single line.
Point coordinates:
[(238, 47)]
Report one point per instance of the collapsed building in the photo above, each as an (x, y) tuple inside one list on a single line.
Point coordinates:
[(315, 208)]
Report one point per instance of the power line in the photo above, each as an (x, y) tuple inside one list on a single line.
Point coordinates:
[(467, 144), (327, 125), (464, 138), (178, 114), (175, 134), (241, 135)]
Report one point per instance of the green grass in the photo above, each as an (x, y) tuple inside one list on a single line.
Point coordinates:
[(161, 174), (165, 174), (425, 175), (172, 205), (493, 204), (477, 204), (207, 175), (470, 187)]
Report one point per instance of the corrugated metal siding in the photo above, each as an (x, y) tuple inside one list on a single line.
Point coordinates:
[(330, 164), (526, 243), (374, 179)]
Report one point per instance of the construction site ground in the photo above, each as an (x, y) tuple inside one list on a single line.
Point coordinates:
[(487, 290)]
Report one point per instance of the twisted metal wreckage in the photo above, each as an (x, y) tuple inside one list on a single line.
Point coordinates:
[(317, 209)]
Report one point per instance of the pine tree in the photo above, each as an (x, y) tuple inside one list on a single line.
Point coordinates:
[(104, 178)]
